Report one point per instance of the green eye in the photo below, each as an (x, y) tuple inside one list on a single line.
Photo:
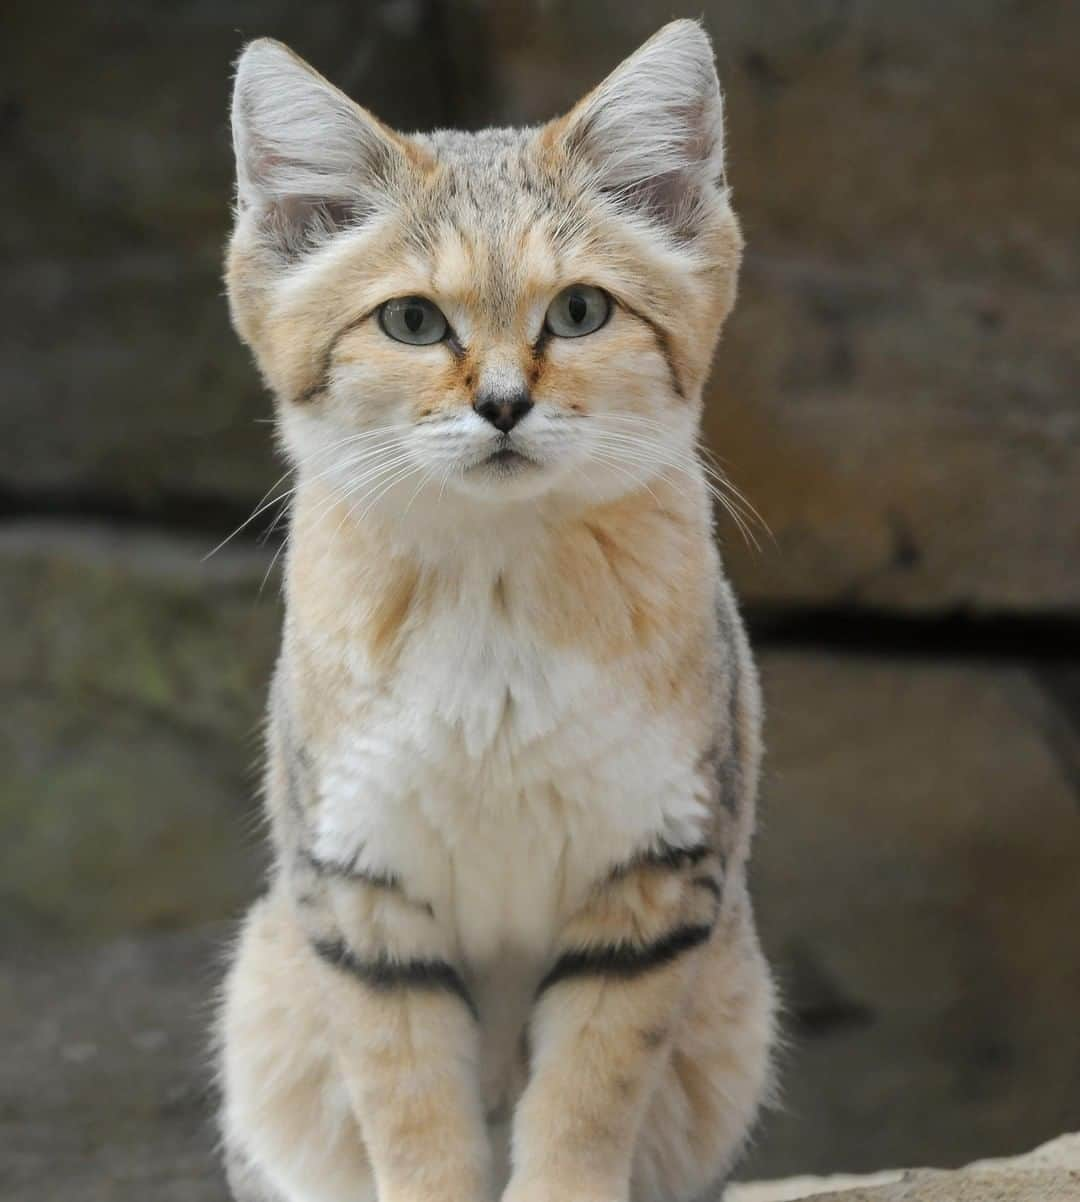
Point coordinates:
[(578, 310), (412, 319)]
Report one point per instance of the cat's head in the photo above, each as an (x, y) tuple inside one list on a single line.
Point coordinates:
[(499, 315)]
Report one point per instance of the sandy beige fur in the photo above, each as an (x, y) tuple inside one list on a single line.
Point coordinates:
[(519, 651)]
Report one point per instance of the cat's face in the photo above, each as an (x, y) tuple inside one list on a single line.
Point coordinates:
[(501, 315)]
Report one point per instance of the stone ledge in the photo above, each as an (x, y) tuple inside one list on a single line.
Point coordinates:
[(1051, 1173)]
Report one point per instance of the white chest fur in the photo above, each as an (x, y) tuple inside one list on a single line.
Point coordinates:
[(500, 776), (500, 780), (497, 771)]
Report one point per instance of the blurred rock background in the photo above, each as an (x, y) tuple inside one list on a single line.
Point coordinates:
[(896, 393)]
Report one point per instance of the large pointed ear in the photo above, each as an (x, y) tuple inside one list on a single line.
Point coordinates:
[(653, 131), (308, 159)]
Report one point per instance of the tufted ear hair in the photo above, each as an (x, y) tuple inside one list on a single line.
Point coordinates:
[(308, 159), (653, 131)]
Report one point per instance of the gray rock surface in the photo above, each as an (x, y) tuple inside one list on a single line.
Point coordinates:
[(917, 888), (105, 1089), (1051, 1173), (123, 384), (132, 678)]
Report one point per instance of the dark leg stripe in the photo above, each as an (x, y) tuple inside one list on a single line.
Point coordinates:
[(387, 975), (349, 872), (709, 884), (625, 960), (664, 855), (668, 856)]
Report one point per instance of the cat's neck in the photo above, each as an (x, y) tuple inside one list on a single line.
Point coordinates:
[(331, 534), (346, 570), (456, 534)]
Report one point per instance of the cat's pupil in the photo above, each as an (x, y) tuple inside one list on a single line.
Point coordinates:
[(414, 318), (577, 308)]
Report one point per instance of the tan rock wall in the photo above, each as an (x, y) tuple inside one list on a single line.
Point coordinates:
[(897, 390)]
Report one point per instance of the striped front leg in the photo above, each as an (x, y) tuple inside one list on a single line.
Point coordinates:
[(600, 1029), (404, 1032)]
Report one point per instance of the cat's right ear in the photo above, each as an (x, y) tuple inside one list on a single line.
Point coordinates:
[(653, 131), (308, 159)]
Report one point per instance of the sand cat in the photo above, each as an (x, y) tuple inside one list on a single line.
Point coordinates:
[(506, 950)]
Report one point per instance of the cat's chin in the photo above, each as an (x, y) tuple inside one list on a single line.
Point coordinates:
[(506, 474), (506, 463)]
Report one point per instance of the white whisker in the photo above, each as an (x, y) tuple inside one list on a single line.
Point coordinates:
[(351, 485), (648, 454), (403, 474), (266, 501)]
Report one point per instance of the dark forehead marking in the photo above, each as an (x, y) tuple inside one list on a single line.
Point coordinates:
[(495, 182), (494, 171)]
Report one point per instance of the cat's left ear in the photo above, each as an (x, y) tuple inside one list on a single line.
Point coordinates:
[(307, 158), (653, 131)]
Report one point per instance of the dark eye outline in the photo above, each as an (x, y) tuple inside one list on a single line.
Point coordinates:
[(423, 302), (609, 306)]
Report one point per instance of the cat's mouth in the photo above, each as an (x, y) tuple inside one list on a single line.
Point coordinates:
[(506, 459)]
